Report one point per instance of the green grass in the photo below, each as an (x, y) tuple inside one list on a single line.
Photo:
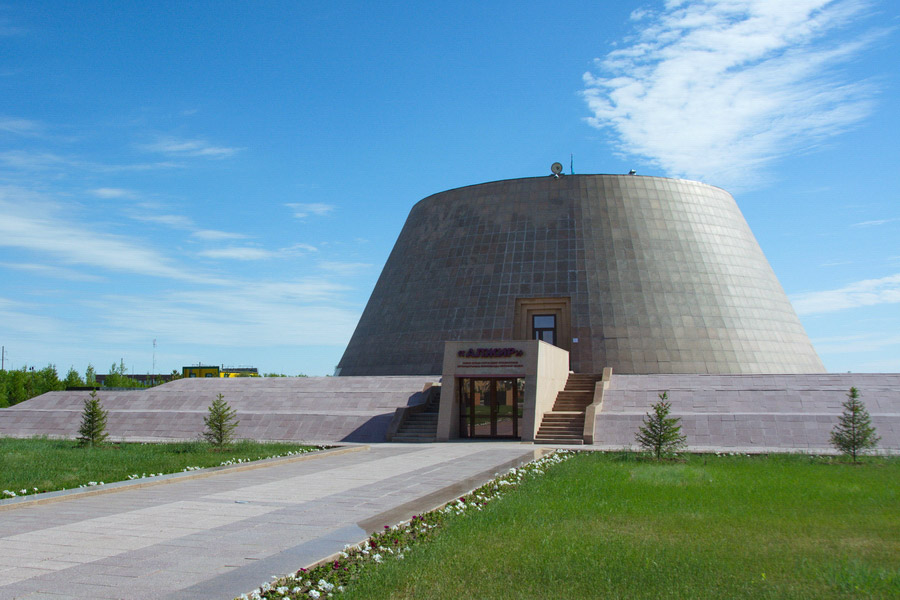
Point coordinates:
[(51, 465), (612, 526)]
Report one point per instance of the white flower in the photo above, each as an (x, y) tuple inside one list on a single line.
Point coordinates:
[(314, 594), (377, 558)]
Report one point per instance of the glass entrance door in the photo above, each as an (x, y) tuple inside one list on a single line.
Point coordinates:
[(543, 327), (490, 407)]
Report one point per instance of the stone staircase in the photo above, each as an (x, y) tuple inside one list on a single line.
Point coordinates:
[(421, 426), (565, 423)]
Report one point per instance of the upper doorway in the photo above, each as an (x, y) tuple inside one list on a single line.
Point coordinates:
[(545, 319), (543, 327)]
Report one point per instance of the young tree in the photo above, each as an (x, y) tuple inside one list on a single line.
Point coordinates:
[(660, 433), (854, 434), (15, 386), (220, 422), (47, 380), (90, 376), (4, 396), (73, 379), (93, 422)]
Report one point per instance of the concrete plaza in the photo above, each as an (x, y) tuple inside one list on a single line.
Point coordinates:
[(222, 535)]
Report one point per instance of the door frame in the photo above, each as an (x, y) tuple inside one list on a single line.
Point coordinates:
[(527, 308), (465, 400)]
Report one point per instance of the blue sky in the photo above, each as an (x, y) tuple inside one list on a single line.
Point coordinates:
[(228, 178)]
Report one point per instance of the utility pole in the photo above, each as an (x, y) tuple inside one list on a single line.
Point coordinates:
[(2, 358)]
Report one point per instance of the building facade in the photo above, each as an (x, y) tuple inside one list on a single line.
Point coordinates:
[(641, 274), (216, 371)]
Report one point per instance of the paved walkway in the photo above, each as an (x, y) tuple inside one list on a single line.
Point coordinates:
[(220, 536)]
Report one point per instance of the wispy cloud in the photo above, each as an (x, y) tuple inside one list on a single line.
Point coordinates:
[(306, 312), (24, 160), (717, 89), (28, 223), (238, 253), (875, 223), (49, 271), (255, 253), (212, 235), (186, 147), (869, 292), (112, 193), (836, 263), (20, 126), (304, 210), (19, 317), (868, 342), (175, 221), (345, 268)]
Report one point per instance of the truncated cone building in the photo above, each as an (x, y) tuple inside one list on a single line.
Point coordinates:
[(645, 275)]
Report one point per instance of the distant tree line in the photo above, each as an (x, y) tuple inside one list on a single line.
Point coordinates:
[(18, 385)]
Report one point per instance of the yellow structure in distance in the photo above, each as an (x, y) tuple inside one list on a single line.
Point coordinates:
[(213, 371)]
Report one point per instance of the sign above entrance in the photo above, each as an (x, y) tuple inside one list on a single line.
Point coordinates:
[(490, 353)]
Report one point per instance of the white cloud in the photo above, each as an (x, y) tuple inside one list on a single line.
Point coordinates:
[(869, 292), (299, 249), (836, 263), (238, 253), (48, 271), (15, 317), (717, 89), (44, 161), (295, 313), (254, 253), (345, 268), (874, 223), (194, 148), (20, 126), (176, 221), (29, 223), (856, 344), (112, 193), (304, 210), (213, 235)]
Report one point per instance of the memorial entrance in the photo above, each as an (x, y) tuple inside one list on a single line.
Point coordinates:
[(491, 407)]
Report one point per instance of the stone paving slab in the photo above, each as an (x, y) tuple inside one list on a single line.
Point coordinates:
[(220, 536)]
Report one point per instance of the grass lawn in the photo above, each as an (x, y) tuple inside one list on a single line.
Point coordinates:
[(60, 464), (612, 526)]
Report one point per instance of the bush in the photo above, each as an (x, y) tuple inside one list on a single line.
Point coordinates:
[(660, 432), (220, 423), (854, 434), (93, 423)]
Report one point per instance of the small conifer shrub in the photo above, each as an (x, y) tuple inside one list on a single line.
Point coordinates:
[(854, 434), (93, 422), (660, 434), (220, 422)]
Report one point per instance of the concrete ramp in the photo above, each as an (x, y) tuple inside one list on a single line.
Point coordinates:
[(309, 409), (750, 412)]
